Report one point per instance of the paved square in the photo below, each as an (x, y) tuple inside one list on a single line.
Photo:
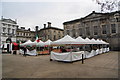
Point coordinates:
[(100, 66)]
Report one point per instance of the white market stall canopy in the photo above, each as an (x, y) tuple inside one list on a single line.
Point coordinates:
[(65, 40), (69, 40), (48, 42), (29, 42), (104, 42), (88, 41), (93, 41), (41, 43), (80, 40)]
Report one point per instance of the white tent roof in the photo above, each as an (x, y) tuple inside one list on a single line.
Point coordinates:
[(41, 43), (104, 42), (80, 40), (99, 42), (69, 40), (29, 42), (65, 40), (48, 42), (94, 41), (88, 41)]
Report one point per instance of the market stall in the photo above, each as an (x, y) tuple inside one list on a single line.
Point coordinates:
[(29, 42), (65, 55), (87, 52), (43, 47), (30, 48)]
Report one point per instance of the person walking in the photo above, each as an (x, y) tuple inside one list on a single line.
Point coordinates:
[(25, 50)]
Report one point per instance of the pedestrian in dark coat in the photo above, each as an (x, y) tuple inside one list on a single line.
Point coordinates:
[(25, 50)]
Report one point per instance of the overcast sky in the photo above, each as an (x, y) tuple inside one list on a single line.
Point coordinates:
[(31, 14)]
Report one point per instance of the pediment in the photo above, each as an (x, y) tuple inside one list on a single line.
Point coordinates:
[(9, 21), (93, 15)]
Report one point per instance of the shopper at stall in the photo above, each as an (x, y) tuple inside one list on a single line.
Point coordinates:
[(63, 49)]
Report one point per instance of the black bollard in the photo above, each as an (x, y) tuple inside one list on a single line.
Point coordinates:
[(50, 59), (82, 59)]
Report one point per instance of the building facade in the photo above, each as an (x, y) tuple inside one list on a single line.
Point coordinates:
[(25, 34), (8, 30), (50, 32), (104, 26)]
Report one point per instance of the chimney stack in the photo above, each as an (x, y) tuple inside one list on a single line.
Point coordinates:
[(93, 11), (44, 25), (23, 28), (49, 24), (36, 27)]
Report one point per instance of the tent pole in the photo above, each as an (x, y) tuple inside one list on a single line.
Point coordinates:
[(92, 46), (83, 55)]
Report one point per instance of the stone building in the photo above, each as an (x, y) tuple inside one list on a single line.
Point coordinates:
[(25, 34), (104, 26), (7, 30), (50, 32)]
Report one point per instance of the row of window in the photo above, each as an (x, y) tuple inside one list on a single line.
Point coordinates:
[(53, 31), (24, 34), (8, 30), (96, 30), (54, 37)]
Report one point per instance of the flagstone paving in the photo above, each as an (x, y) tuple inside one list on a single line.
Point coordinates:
[(100, 66)]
